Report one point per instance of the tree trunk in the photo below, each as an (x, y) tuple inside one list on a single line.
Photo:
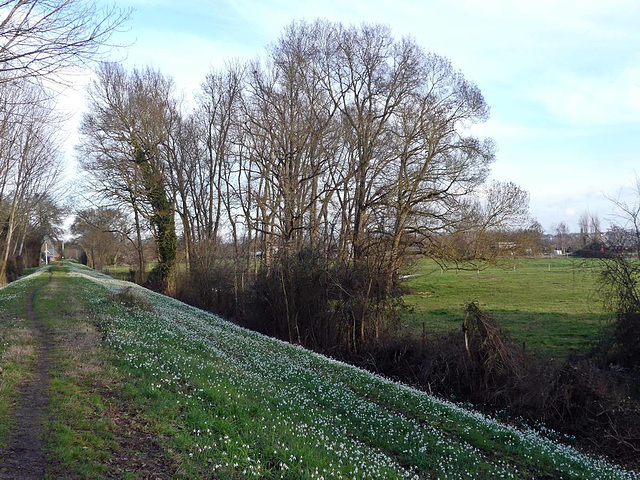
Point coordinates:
[(162, 219), (139, 248)]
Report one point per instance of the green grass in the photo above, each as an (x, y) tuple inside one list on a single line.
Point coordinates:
[(17, 350), (122, 269), (80, 433), (548, 304), (234, 404), (223, 402), (30, 270)]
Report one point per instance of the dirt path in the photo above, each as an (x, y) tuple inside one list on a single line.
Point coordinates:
[(25, 456), (67, 345)]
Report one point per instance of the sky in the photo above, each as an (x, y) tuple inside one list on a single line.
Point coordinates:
[(562, 78)]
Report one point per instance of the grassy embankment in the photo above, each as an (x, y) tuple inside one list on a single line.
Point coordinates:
[(550, 304), (223, 402)]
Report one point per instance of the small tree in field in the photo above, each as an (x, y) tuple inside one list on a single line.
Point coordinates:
[(562, 235), (619, 285)]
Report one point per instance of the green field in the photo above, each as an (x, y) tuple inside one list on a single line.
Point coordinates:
[(549, 304), (131, 369)]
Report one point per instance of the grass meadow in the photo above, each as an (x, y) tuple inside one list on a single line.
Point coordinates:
[(550, 305)]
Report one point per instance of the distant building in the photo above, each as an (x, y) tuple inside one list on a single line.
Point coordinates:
[(48, 252), (49, 255)]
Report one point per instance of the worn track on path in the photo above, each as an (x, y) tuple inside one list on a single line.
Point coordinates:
[(24, 457), (67, 360)]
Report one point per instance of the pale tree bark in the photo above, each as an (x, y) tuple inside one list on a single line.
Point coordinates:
[(218, 119), (289, 114)]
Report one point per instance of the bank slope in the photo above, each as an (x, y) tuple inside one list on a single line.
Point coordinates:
[(230, 403)]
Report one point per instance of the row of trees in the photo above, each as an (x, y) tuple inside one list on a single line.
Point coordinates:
[(29, 166), (341, 151), (40, 40), (623, 235)]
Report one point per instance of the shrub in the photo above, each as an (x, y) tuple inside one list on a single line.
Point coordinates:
[(479, 364), (322, 303), (296, 298), (212, 287), (619, 288)]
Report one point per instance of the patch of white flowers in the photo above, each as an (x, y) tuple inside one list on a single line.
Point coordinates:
[(257, 407)]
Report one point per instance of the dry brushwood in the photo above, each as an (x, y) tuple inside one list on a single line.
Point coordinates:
[(492, 357)]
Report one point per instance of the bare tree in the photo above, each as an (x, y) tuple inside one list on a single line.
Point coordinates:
[(369, 78), (125, 140), (595, 232), (41, 220), (352, 143), (619, 281), (562, 231), (101, 233), (288, 116), (627, 215), (40, 40), (43, 38), (583, 224), (29, 160), (218, 128), (355, 134)]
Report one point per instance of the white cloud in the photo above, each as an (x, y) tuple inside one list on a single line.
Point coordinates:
[(499, 130), (589, 101)]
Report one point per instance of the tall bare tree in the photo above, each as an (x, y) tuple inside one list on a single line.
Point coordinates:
[(125, 140), (562, 232), (351, 132), (289, 113), (583, 224), (101, 233)]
